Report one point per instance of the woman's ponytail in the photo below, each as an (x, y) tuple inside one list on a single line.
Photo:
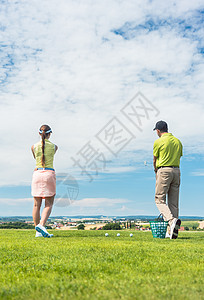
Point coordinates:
[(45, 130), (43, 150)]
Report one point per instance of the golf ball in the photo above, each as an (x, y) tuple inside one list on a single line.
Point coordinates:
[(106, 234), (118, 234), (131, 235)]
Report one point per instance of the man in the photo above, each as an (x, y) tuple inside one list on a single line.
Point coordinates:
[(167, 153)]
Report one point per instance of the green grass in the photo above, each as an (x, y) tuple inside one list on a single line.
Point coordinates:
[(88, 265)]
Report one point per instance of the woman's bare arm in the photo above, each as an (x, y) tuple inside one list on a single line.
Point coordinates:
[(32, 149)]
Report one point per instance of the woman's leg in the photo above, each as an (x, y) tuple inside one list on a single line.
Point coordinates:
[(47, 209), (36, 210)]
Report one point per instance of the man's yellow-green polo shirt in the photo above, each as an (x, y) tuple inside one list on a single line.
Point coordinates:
[(168, 150), (48, 152)]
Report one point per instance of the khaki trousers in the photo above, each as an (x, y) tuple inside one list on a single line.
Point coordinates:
[(168, 183)]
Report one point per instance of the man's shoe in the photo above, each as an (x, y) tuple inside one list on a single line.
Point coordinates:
[(176, 223), (167, 235), (43, 231)]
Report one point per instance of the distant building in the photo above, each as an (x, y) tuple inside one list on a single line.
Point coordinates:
[(201, 225), (181, 228)]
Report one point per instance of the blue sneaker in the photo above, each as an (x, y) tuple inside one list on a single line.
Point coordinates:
[(43, 231), (38, 234), (51, 235)]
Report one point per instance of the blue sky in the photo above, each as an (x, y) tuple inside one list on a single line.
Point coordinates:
[(82, 67)]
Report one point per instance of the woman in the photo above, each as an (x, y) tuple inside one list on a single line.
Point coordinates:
[(43, 180)]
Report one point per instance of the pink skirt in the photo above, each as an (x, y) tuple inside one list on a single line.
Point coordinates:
[(43, 183)]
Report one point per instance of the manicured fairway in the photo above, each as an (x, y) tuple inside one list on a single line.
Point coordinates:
[(88, 265)]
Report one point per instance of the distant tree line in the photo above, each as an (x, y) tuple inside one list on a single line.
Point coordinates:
[(16, 225), (112, 226), (108, 226)]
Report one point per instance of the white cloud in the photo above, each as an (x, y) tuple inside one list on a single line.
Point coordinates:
[(17, 201), (62, 64), (124, 210), (198, 173), (122, 169), (98, 202)]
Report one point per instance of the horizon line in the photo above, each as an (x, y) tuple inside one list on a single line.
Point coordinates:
[(18, 216)]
